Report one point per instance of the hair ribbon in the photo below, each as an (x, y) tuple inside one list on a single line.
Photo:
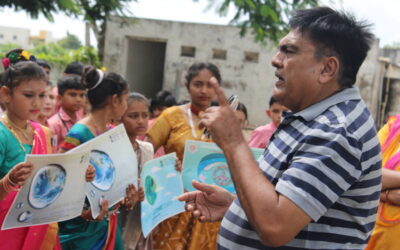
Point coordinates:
[(101, 77)]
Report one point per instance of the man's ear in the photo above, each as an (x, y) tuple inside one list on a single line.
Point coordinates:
[(330, 69)]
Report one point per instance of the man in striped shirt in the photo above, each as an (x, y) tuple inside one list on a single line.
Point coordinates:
[(318, 183)]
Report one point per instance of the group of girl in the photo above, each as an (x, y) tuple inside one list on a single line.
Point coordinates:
[(23, 90)]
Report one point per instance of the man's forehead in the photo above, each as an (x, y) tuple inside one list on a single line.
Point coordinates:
[(296, 38)]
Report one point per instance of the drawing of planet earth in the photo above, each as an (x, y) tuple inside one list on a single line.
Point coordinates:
[(47, 184), (213, 169), (150, 187), (105, 170)]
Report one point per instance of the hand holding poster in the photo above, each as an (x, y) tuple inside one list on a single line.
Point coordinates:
[(161, 184), (54, 192), (206, 163), (115, 163)]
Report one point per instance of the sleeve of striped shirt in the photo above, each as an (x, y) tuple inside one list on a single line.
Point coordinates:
[(323, 167)]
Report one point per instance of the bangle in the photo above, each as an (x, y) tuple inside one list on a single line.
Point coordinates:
[(10, 181), (387, 196), (7, 186)]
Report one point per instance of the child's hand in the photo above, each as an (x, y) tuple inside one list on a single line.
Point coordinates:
[(141, 194), (87, 214), (140, 190), (132, 197), (90, 173), (20, 173), (178, 166)]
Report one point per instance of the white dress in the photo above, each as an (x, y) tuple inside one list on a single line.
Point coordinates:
[(132, 231)]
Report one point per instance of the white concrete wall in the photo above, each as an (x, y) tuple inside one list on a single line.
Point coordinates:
[(14, 35), (253, 82)]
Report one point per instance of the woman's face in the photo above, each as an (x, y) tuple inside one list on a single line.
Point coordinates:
[(200, 90), (136, 118), (49, 102)]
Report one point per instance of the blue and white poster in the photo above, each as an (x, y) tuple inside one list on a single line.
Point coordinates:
[(54, 192), (206, 163), (162, 184), (115, 162)]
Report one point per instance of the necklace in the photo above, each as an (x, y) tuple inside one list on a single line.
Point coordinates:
[(7, 122), (191, 123), (138, 152), (12, 125), (96, 128)]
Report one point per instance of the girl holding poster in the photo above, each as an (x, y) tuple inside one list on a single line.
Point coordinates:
[(23, 89), (107, 94), (135, 121), (172, 129)]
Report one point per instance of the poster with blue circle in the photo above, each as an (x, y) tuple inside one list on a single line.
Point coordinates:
[(161, 185), (205, 162)]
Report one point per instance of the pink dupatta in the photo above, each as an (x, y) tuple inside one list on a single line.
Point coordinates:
[(35, 237)]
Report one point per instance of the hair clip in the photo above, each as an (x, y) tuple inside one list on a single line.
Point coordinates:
[(13, 56), (6, 62)]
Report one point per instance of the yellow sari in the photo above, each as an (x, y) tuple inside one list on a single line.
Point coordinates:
[(387, 228), (181, 231)]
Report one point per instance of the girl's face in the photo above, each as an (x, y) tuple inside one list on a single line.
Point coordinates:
[(26, 100), (136, 118), (49, 102), (200, 90)]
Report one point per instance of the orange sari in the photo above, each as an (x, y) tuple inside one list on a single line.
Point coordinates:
[(181, 231), (387, 228)]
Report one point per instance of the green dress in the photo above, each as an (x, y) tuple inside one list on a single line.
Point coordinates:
[(78, 233), (11, 152)]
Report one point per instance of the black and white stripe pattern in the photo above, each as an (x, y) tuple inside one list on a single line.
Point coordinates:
[(327, 160)]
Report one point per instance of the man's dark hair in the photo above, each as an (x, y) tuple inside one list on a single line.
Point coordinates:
[(69, 82), (336, 34), (75, 68)]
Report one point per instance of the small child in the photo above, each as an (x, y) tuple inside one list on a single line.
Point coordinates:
[(49, 105), (72, 95), (259, 138), (135, 121)]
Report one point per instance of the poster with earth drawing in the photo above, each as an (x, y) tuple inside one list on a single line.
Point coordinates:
[(115, 162), (206, 163), (54, 192), (162, 184)]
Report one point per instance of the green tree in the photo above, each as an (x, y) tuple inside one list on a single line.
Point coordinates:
[(70, 42), (266, 19)]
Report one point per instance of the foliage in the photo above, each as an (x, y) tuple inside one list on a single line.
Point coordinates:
[(394, 45), (267, 19), (70, 42), (87, 55), (4, 48)]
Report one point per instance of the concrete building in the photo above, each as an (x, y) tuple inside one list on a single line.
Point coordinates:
[(155, 55), (23, 38), (17, 36)]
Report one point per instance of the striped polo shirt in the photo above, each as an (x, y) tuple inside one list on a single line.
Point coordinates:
[(327, 160)]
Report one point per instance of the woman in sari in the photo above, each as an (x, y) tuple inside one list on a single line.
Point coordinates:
[(22, 94), (107, 94), (171, 130), (387, 228)]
